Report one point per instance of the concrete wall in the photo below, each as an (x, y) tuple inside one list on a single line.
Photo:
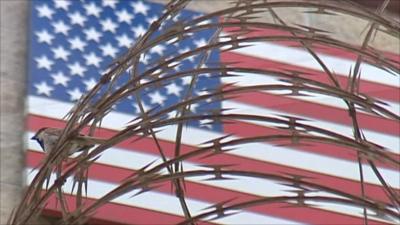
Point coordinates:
[(343, 27), (13, 40)]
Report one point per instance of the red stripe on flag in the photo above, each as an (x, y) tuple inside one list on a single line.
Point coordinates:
[(119, 213), (381, 91), (308, 215), (318, 111), (56, 213), (147, 145), (318, 48), (244, 129)]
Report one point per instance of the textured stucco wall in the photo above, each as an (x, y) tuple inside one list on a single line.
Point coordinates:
[(343, 27), (12, 88)]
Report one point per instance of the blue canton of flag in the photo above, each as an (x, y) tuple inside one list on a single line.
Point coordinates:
[(73, 42)]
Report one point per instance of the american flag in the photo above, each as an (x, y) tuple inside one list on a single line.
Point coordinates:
[(73, 42)]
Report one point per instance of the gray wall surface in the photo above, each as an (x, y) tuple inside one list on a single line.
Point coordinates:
[(13, 38)]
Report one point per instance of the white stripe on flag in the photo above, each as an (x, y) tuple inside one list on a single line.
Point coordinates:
[(248, 79), (386, 140), (299, 57), (161, 202), (260, 151), (116, 121), (131, 160)]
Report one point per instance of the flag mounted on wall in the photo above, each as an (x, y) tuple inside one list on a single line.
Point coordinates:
[(73, 43)]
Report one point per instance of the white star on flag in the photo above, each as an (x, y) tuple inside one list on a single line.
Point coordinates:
[(92, 59), (138, 30), (90, 83), (77, 69), (139, 7), (61, 27), (124, 16), (108, 25), (157, 98), (60, 53), (62, 4), (109, 50), (74, 94), (44, 62), (92, 9), (77, 43), (45, 11), (174, 89), (44, 88), (109, 3), (60, 78), (124, 41), (77, 18), (44, 37), (92, 34)]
